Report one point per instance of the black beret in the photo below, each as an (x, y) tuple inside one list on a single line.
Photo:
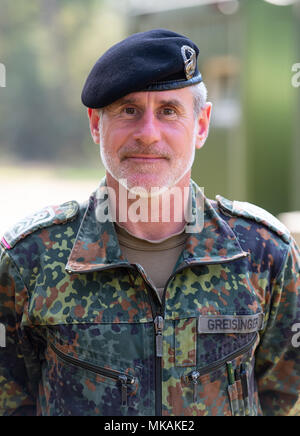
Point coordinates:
[(156, 60)]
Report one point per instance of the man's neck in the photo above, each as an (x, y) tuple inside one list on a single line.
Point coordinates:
[(152, 218)]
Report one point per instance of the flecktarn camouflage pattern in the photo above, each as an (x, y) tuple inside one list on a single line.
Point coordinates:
[(87, 334)]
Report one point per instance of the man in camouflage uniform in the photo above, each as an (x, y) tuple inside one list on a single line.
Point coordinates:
[(149, 318)]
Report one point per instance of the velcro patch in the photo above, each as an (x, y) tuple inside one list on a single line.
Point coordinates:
[(230, 323)]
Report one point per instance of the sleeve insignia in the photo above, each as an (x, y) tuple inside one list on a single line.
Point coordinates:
[(250, 211), (39, 220)]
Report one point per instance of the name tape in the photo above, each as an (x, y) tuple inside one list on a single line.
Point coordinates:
[(230, 323)]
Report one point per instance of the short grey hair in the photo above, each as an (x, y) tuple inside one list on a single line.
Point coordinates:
[(199, 92)]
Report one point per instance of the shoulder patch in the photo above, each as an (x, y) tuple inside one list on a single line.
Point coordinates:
[(250, 211), (44, 218)]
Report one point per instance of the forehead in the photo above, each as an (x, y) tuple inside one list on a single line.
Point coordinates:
[(182, 96)]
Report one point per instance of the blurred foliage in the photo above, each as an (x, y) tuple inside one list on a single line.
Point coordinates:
[(48, 47), (269, 103)]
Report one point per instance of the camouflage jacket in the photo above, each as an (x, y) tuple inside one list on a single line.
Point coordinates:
[(87, 334)]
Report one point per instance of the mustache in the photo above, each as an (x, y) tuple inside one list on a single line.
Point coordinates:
[(128, 151)]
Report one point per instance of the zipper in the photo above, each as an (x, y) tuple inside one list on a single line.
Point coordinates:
[(193, 377), (125, 379), (159, 325)]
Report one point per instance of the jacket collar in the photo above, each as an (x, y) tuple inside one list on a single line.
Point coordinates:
[(210, 239)]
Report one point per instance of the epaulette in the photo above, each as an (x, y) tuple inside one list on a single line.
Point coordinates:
[(252, 212), (44, 218)]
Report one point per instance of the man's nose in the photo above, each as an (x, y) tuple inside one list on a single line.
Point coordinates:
[(147, 129)]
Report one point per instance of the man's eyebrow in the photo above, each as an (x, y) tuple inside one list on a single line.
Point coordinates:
[(133, 100), (124, 100), (172, 102)]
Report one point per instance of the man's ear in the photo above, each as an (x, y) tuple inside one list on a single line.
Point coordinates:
[(203, 123), (93, 115)]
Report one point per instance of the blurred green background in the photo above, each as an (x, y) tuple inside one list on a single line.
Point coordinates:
[(247, 51)]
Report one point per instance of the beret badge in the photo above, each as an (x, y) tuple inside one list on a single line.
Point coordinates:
[(189, 58)]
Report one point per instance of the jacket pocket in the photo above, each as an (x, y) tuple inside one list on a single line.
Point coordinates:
[(231, 374), (97, 386), (124, 381)]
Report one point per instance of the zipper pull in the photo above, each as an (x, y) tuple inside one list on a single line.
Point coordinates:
[(125, 381), (159, 325), (193, 378)]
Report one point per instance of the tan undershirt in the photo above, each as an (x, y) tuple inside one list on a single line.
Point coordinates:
[(157, 258)]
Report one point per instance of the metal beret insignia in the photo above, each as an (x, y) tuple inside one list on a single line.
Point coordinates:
[(189, 58)]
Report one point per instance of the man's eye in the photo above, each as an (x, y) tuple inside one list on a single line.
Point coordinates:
[(169, 112), (130, 110)]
